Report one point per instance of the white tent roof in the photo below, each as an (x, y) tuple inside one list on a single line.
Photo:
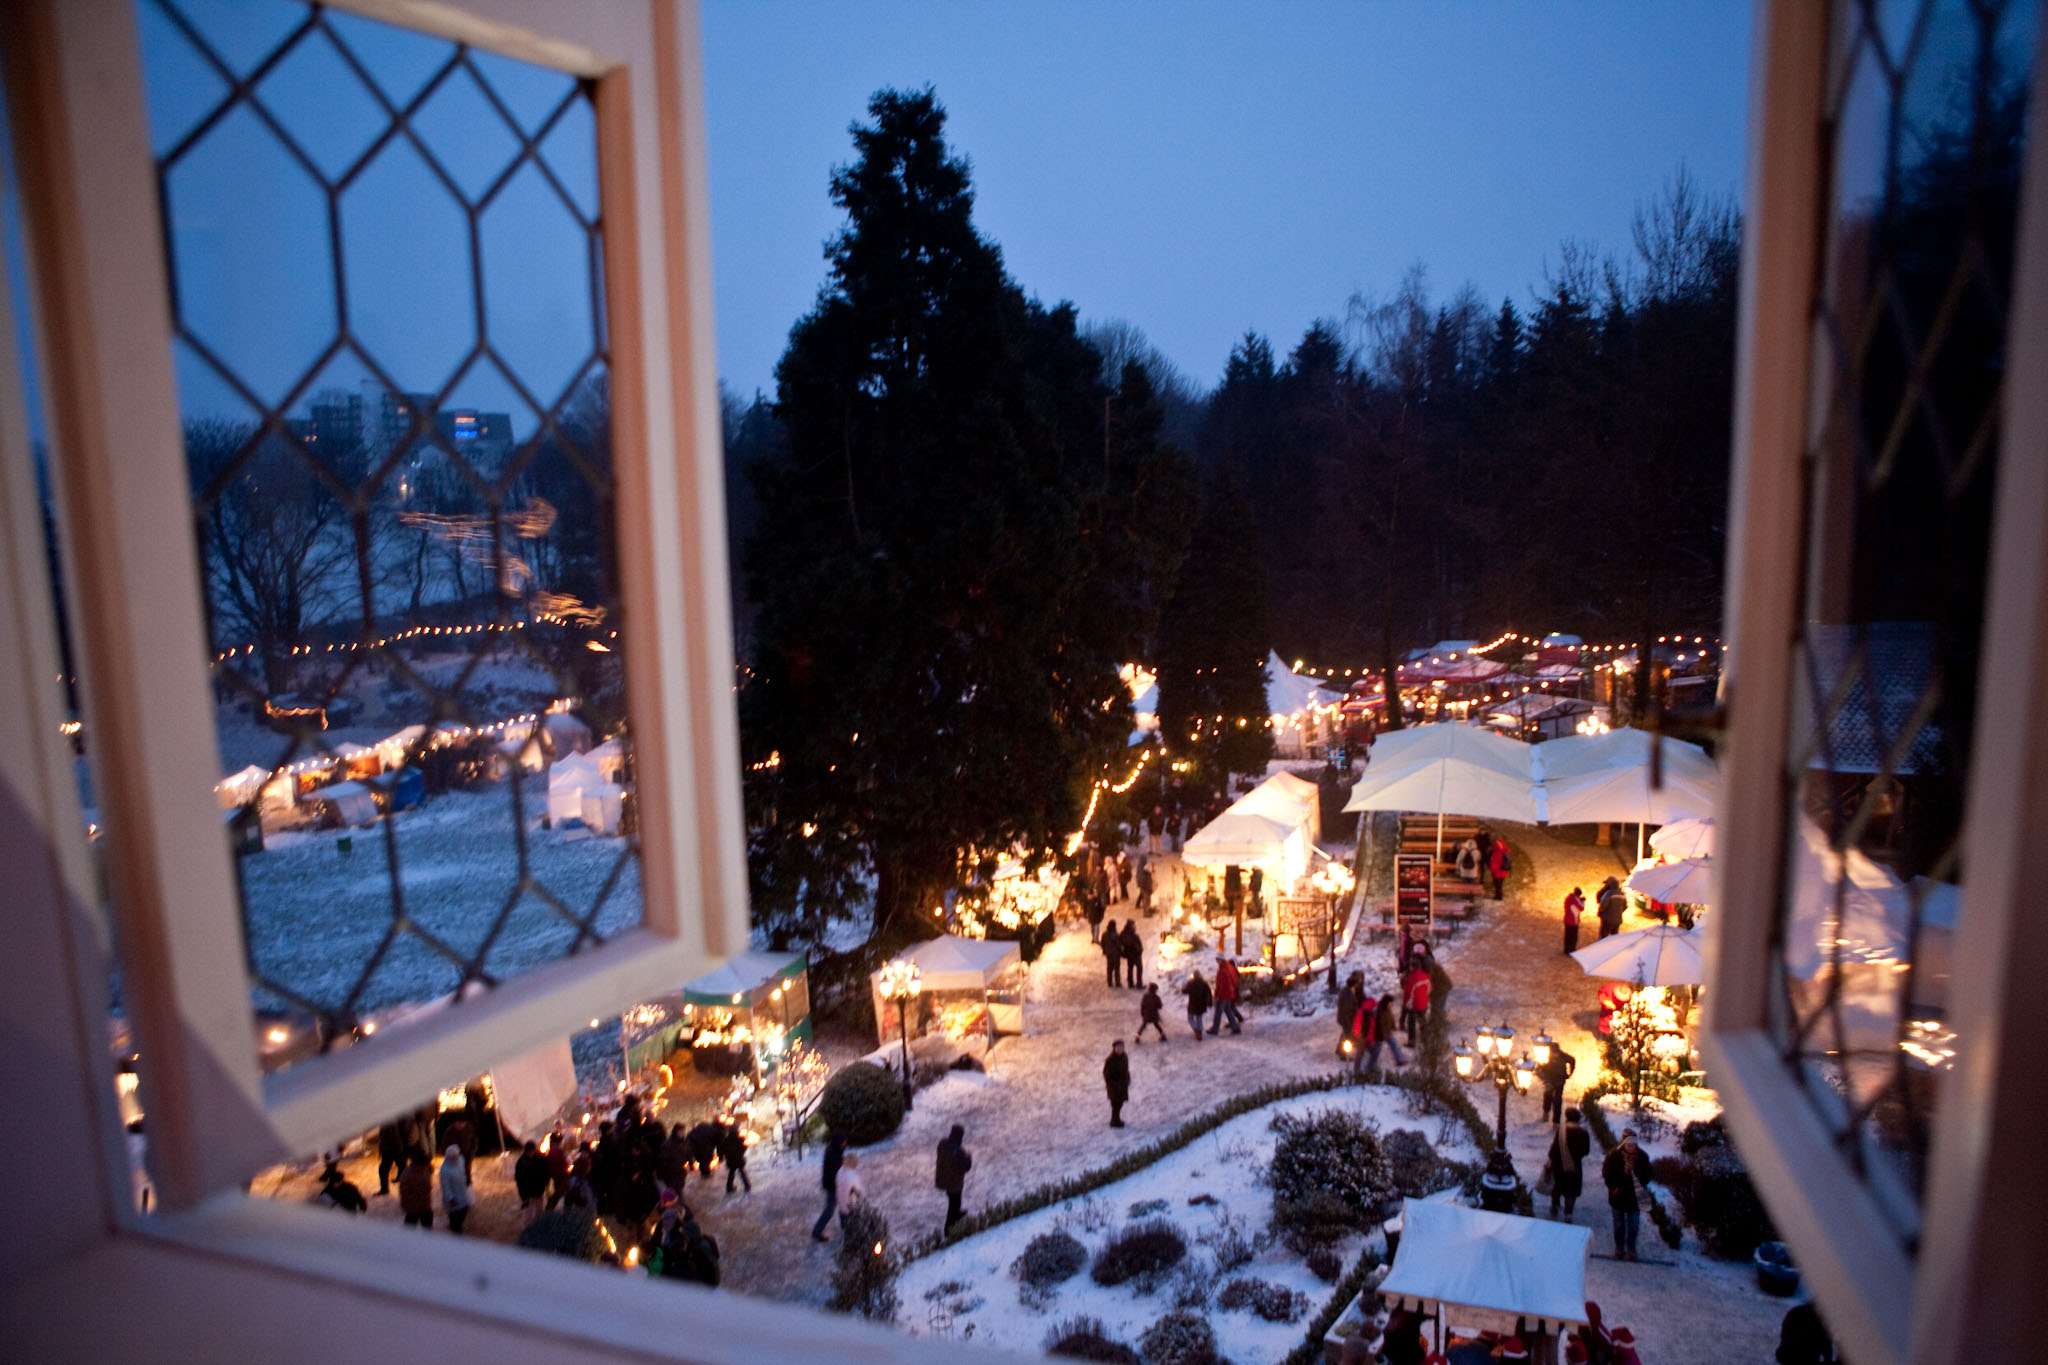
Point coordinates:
[(1625, 794), (741, 973), (1287, 692), (1661, 955), (1489, 1269), (1571, 755), (1449, 786), (953, 963), (247, 777), (1421, 743), (1282, 796), (1239, 836)]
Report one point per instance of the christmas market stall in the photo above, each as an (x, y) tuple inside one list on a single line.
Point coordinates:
[(1474, 1271), (967, 987), (741, 1017)]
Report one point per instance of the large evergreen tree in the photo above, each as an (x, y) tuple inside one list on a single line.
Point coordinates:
[(949, 559), (1213, 641)]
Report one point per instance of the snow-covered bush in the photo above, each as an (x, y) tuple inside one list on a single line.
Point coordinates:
[(1228, 1244), (1323, 1219), (1714, 1188), (863, 1102), (1140, 1249), (1416, 1168), (1325, 1264), (1086, 1338), (1179, 1338), (863, 1271), (1332, 1152), (1145, 1208), (1048, 1259), (1273, 1302), (1191, 1284)]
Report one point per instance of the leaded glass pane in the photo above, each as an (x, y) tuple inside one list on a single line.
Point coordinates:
[(1925, 122), (386, 263)]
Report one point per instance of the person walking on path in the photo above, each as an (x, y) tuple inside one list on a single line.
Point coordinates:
[(1112, 952), (851, 1191), (1574, 911), (1613, 905), (456, 1195), (1116, 1079), (1150, 1008), (1415, 1001), (1555, 1072), (1568, 1149), (732, 1150), (1226, 997), (1092, 907), (1626, 1169), (1102, 882), (1134, 954), (391, 1149), (1123, 875), (835, 1157), (1145, 885), (416, 1190), (954, 1162), (1498, 864), (1347, 1014), (1155, 829), (1383, 1024), (1199, 1000)]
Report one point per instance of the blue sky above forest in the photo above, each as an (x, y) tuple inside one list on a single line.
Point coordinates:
[(1206, 168)]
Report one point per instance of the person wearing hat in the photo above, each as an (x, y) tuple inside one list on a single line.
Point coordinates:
[(1513, 1348), (1116, 1079), (1626, 1168), (1574, 1352), (1624, 1343), (1613, 905), (456, 1195), (1574, 911), (1568, 1152)]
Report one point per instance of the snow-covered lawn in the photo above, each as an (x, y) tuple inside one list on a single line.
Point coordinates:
[(967, 1291), (316, 914)]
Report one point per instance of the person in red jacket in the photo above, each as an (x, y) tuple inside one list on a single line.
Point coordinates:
[(1415, 1001), (1574, 911), (1499, 864), (1226, 997)]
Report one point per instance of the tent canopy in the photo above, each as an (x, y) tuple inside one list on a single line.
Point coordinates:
[(1283, 797), (1625, 794), (742, 974), (1241, 837), (1662, 955), (1571, 755), (1489, 1269), (1468, 743), (1287, 693), (953, 963)]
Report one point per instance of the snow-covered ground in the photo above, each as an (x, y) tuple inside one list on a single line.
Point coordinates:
[(316, 914), (967, 1291)]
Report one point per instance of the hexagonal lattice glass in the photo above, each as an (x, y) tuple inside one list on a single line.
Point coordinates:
[(386, 269), (1924, 116)]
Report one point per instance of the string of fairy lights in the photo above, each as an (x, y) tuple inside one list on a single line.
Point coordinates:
[(541, 618)]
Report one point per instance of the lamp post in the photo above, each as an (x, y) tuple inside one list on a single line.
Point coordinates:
[(901, 983), (1493, 1063)]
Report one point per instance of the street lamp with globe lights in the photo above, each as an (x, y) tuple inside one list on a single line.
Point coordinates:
[(901, 983), (1493, 1061)]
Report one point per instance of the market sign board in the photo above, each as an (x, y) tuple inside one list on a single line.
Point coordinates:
[(1414, 901)]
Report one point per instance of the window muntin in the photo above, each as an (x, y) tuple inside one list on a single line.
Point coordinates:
[(1923, 121), (387, 289)]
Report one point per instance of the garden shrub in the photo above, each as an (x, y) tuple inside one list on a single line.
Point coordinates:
[(1231, 1248), (1713, 1187), (1085, 1338), (1416, 1168), (1331, 1152), (1273, 1302), (1320, 1220), (1325, 1264), (1145, 1208), (1140, 1249), (1191, 1284), (863, 1102), (1179, 1338), (1048, 1259), (565, 1232), (863, 1271)]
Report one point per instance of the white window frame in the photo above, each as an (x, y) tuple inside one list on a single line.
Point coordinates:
[(1978, 1267), (97, 262)]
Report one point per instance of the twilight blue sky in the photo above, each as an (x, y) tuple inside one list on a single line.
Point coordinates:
[(1203, 168)]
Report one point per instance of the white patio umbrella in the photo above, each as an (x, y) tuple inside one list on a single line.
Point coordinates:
[(1692, 837), (1658, 956), (1685, 882)]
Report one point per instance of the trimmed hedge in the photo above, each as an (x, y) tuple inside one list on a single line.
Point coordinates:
[(863, 1102)]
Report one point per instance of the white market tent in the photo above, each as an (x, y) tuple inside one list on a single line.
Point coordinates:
[(1573, 755), (1625, 794), (1489, 1270), (239, 789), (960, 967), (1449, 769), (567, 780), (1244, 838)]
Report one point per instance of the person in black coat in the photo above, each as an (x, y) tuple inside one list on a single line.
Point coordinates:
[(703, 1140), (1150, 1009), (732, 1150), (1113, 952), (835, 1157), (1554, 1073), (1626, 1167), (1134, 954), (530, 1176), (1116, 1079), (1199, 1000), (1568, 1150), (954, 1162), (392, 1146), (1613, 905)]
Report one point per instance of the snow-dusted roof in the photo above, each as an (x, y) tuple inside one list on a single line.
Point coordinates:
[(742, 973), (1492, 1268)]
